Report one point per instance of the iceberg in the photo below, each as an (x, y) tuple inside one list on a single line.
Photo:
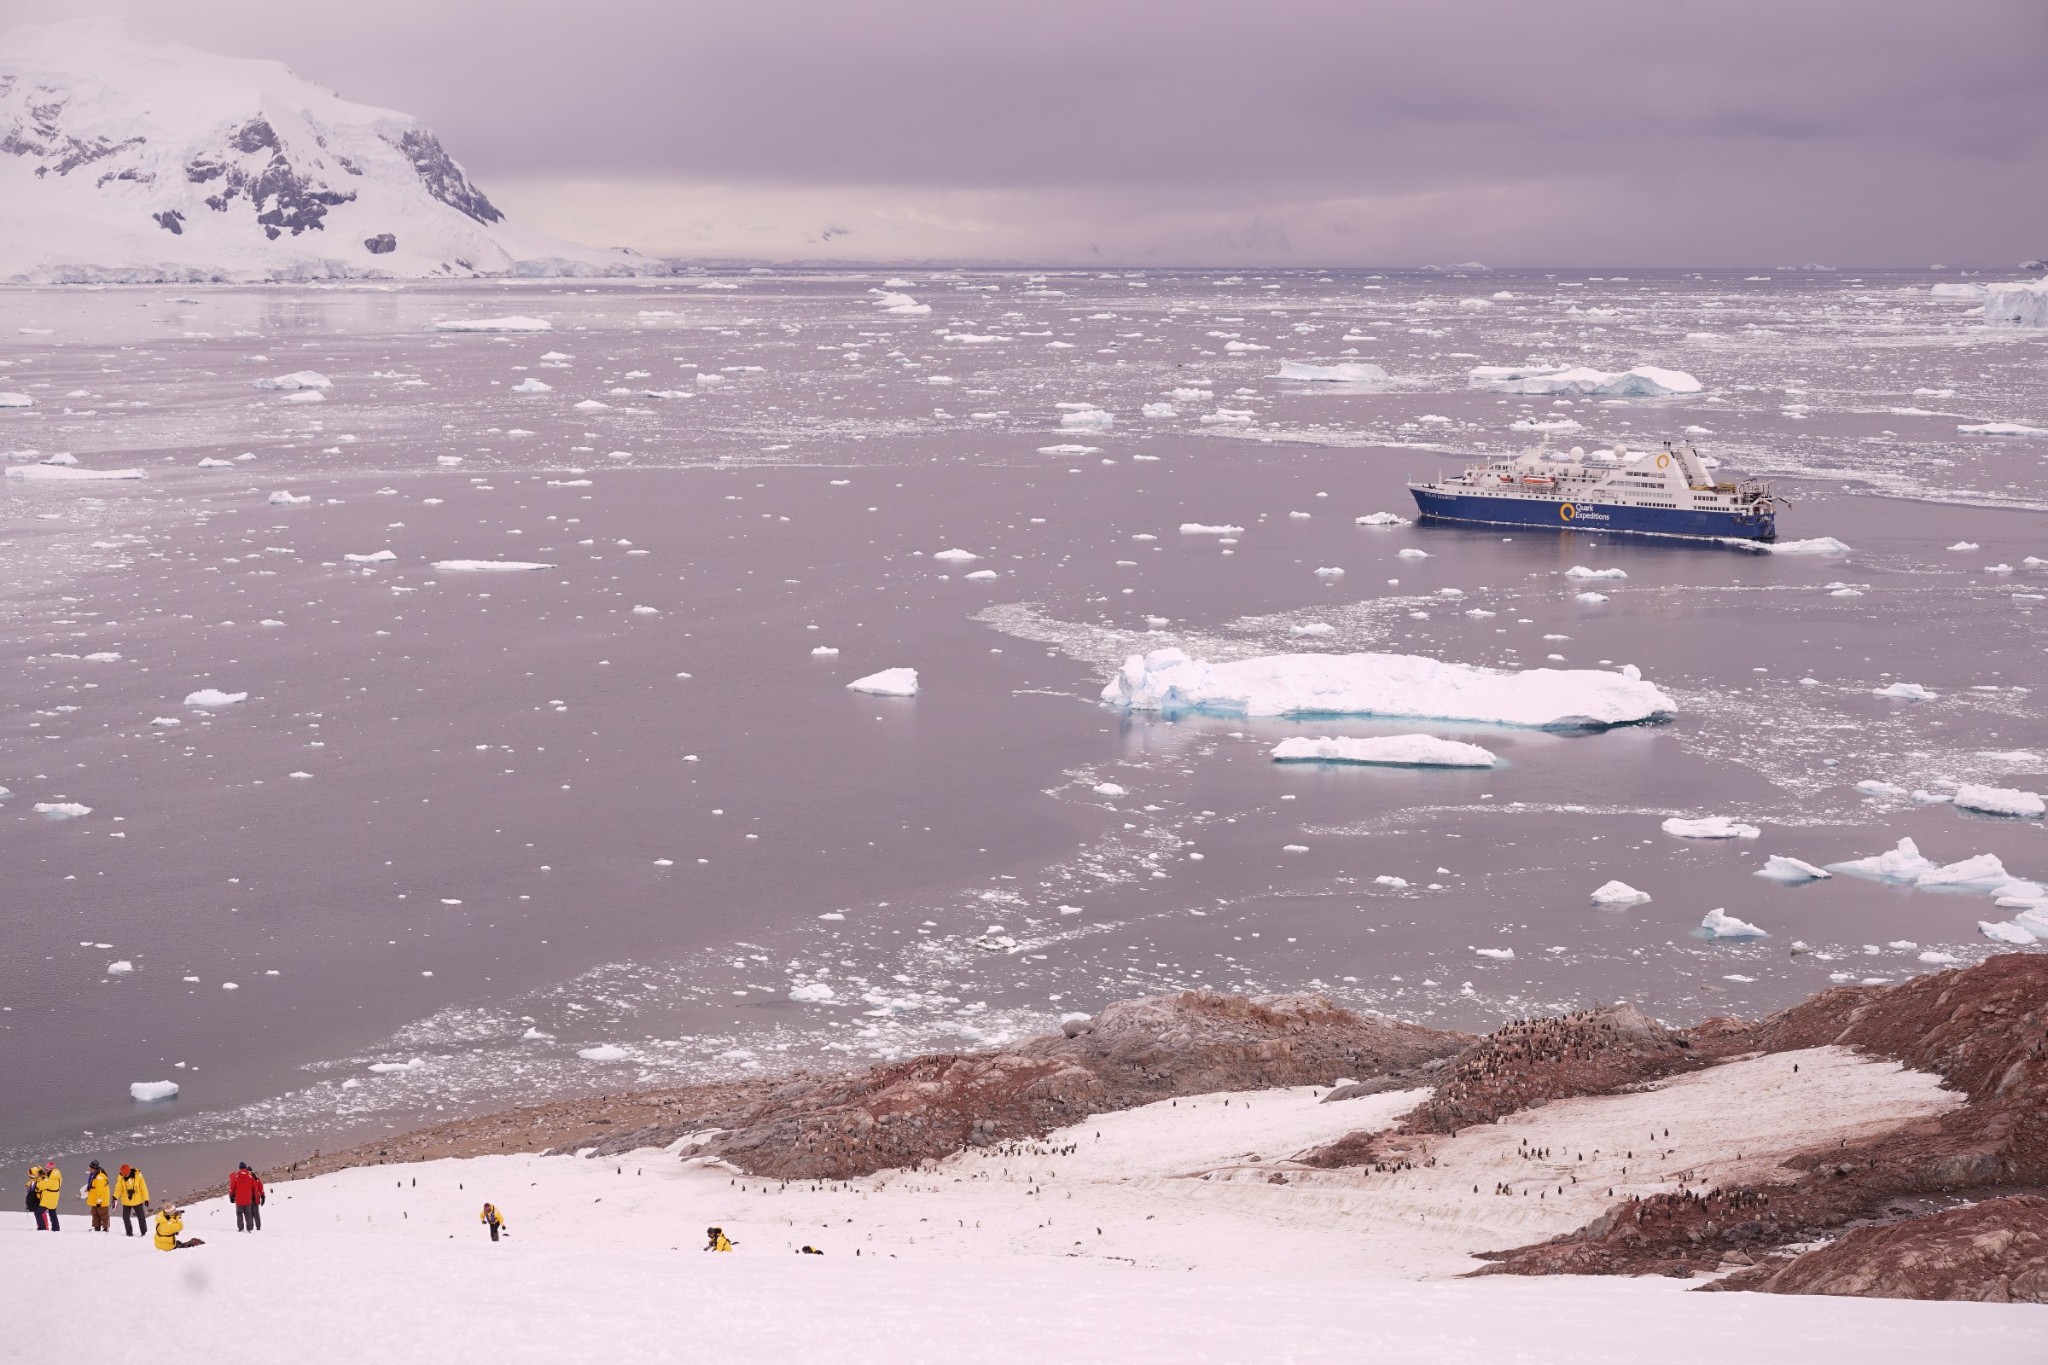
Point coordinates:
[(1819, 545), (1901, 864), (1953, 290), (1710, 827), (531, 385), (150, 1091), (1355, 372), (1619, 893), (1791, 870), (16, 400), (956, 556), (511, 324), (374, 557), (603, 1052), (1383, 519), (1904, 691), (57, 473), (2001, 801), (1644, 381), (297, 379), (1721, 924), (1405, 751), (2019, 429), (486, 565), (1985, 872), (62, 810), (890, 682), (1194, 528), (213, 696), (1403, 685), (286, 498), (2016, 305), (2007, 931)]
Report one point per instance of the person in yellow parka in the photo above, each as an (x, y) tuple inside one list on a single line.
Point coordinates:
[(718, 1240), (494, 1219), (99, 1198), (131, 1191), (49, 1189), (32, 1194), (169, 1223)]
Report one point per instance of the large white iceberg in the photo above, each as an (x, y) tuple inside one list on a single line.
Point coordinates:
[(1384, 685), (1406, 751), (2016, 305), (1352, 372), (1902, 864), (1644, 381), (890, 682)]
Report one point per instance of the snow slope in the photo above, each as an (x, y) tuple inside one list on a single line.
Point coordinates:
[(128, 157), (1153, 1235)]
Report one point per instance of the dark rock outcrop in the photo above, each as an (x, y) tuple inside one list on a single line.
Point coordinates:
[(1983, 1029), (382, 244), (1993, 1252), (1135, 1052)]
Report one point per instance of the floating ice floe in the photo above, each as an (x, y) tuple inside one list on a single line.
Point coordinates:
[(1070, 450), (603, 1052), (2019, 429), (396, 1068), (151, 1091), (487, 565), (1497, 954), (1196, 528), (16, 400), (890, 682), (1109, 789), (1644, 381), (57, 473), (121, 968), (2000, 801), (2016, 305), (1405, 685), (1818, 545), (511, 324), (285, 498), (1383, 519), (1870, 786), (983, 574), (298, 379), (1904, 691), (1351, 372), (1618, 893), (1404, 751), (1589, 596), (374, 557), (1710, 827), (62, 810), (2007, 931), (1904, 863), (1782, 869), (213, 696), (891, 302), (956, 556), (1581, 571), (823, 651), (1721, 924), (531, 385), (813, 993), (1956, 290), (1088, 419)]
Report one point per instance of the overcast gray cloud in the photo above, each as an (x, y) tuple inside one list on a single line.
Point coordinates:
[(1293, 131)]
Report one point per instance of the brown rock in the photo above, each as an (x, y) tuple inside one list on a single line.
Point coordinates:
[(1993, 1252)]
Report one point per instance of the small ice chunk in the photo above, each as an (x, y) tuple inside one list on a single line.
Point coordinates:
[(510, 324), (374, 557), (1581, 571), (603, 1052), (297, 380), (1870, 786), (1109, 789), (151, 1091), (1497, 954), (62, 810), (1196, 528), (956, 556), (285, 498), (823, 651), (1619, 893), (1904, 691), (813, 993), (1383, 519), (1901, 864), (486, 565), (2005, 931)]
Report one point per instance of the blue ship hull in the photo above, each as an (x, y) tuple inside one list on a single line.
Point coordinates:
[(1593, 516)]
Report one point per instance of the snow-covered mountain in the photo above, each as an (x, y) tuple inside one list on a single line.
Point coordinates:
[(128, 157)]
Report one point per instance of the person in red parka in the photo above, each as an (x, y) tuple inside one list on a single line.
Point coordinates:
[(245, 1191)]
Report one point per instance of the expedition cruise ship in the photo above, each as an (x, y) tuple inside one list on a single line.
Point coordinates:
[(1668, 492)]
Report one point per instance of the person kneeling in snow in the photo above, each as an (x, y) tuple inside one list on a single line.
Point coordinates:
[(495, 1221), (169, 1223), (719, 1241)]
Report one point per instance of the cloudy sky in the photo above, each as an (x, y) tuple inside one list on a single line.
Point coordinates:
[(1326, 132)]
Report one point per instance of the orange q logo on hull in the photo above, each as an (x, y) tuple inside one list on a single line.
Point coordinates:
[(1565, 511)]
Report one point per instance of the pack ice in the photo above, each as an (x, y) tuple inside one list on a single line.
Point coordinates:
[(1405, 751), (1384, 685), (1354, 372), (1710, 827)]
